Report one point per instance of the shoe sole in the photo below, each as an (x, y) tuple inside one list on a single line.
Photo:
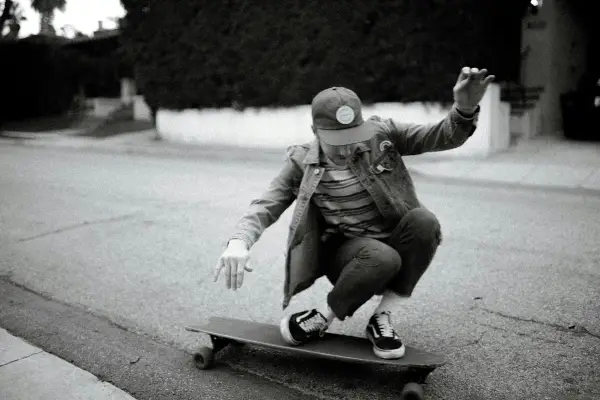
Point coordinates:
[(284, 328), (386, 354)]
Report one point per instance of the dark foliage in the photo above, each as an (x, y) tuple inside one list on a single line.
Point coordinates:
[(205, 53)]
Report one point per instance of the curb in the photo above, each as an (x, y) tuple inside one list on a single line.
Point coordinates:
[(153, 148), (194, 151), (505, 184), (30, 371)]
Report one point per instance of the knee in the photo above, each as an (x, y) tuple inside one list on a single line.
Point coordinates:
[(424, 225), (379, 255)]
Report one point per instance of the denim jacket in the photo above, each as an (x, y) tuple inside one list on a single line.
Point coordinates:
[(379, 167)]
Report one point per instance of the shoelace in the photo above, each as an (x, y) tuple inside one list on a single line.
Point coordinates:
[(385, 325), (312, 324)]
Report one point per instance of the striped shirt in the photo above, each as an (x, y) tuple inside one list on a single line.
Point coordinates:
[(347, 206)]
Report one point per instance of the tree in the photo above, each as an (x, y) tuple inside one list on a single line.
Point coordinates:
[(6, 15), (10, 17), (46, 9)]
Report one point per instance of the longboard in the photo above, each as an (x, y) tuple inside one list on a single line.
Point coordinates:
[(229, 331)]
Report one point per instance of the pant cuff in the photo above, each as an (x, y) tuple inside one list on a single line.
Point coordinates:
[(338, 307)]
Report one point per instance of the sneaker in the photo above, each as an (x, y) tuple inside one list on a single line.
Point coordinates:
[(386, 343), (303, 326)]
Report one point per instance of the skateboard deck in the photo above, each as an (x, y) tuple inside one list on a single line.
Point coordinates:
[(225, 331)]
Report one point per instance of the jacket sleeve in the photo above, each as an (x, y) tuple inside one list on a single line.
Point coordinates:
[(449, 133), (266, 209)]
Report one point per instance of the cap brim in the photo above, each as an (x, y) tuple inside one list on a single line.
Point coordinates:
[(341, 137)]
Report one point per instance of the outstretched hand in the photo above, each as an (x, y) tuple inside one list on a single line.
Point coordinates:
[(235, 262), (470, 87)]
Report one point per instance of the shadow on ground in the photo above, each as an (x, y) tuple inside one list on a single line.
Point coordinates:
[(341, 376)]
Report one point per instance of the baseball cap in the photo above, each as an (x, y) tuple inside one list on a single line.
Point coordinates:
[(337, 117)]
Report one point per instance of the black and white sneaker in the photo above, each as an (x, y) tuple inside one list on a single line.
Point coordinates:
[(303, 326), (386, 343)]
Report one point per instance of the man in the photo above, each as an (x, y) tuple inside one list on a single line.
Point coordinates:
[(357, 218)]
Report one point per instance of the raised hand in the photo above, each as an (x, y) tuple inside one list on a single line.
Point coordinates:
[(470, 88)]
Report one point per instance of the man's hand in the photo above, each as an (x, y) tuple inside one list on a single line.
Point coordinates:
[(470, 88), (235, 261)]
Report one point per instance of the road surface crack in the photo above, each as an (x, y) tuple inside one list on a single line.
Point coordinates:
[(581, 330), (544, 340), (474, 342), (22, 358), (77, 226)]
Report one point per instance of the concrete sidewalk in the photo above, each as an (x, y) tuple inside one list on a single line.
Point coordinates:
[(519, 173), (540, 162), (27, 372)]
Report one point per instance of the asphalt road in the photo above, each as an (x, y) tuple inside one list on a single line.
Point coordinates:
[(512, 298)]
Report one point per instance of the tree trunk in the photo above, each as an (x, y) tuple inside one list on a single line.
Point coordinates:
[(14, 29), (46, 20)]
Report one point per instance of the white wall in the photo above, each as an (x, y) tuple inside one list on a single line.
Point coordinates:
[(501, 136), (128, 90), (278, 128), (269, 128), (141, 111), (554, 46), (103, 106), (529, 124)]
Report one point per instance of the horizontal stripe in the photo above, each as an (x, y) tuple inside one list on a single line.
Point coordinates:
[(344, 198), (340, 212), (347, 206), (347, 185)]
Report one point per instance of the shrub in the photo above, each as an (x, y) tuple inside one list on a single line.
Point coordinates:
[(204, 53), (38, 78)]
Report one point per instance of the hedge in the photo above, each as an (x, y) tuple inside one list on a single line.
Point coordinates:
[(103, 65), (205, 53), (39, 78)]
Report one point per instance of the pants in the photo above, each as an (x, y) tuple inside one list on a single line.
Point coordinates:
[(360, 268)]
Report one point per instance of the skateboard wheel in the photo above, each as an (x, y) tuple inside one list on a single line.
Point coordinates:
[(204, 358), (412, 391)]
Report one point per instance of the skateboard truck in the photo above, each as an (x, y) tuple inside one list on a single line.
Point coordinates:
[(205, 356), (219, 343)]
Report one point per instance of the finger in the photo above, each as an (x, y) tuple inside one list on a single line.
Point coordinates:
[(464, 73), (473, 74), (240, 272), (228, 273), (234, 270), (489, 79), (240, 277), (218, 269), (483, 72)]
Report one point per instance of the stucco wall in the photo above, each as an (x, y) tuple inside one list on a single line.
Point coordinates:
[(278, 128)]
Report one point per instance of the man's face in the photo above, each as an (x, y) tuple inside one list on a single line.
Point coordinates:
[(338, 154)]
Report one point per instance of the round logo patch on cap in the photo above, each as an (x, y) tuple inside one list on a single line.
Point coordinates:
[(345, 115)]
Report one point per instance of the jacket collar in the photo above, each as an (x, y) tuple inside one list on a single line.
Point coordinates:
[(314, 152)]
